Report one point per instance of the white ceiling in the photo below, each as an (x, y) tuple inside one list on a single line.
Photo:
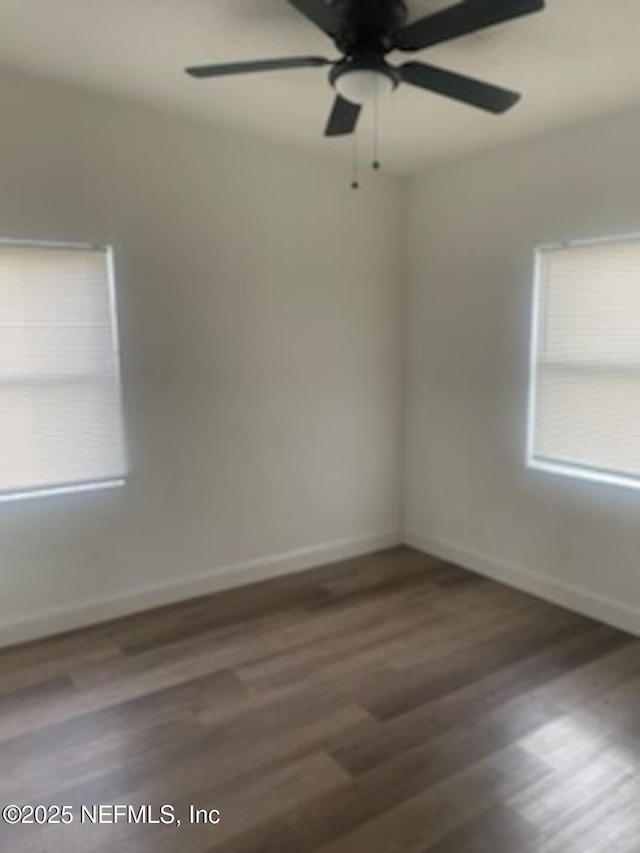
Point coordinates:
[(577, 60)]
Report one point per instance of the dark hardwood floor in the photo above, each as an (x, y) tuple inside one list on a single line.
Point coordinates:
[(388, 704)]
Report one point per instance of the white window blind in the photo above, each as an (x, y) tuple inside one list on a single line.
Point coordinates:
[(61, 425), (584, 415)]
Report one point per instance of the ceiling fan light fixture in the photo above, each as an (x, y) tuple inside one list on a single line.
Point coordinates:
[(365, 32), (362, 85)]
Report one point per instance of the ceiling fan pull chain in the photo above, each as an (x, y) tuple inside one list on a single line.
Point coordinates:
[(355, 166), (376, 132)]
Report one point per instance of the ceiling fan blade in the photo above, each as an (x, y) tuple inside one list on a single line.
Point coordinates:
[(344, 117), (204, 71), (320, 13), (493, 99), (463, 18)]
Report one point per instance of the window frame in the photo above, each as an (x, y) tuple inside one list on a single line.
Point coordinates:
[(84, 486), (550, 466)]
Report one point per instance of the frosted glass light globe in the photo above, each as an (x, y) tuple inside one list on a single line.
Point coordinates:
[(362, 85)]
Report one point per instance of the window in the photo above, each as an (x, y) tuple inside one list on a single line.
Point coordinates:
[(584, 417), (60, 403)]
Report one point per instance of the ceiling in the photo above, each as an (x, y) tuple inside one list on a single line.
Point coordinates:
[(577, 60)]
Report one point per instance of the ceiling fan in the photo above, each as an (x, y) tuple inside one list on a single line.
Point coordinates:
[(365, 31)]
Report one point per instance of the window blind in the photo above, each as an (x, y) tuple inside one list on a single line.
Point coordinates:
[(585, 401), (61, 424)]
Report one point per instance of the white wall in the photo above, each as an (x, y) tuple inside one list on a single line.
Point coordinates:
[(261, 307), (468, 496)]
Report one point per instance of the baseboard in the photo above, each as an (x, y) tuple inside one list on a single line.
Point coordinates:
[(605, 610), (60, 620)]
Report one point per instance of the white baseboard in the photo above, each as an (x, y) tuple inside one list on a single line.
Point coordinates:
[(603, 609), (52, 621)]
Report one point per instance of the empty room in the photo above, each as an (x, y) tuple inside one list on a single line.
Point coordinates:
[(319, 426)]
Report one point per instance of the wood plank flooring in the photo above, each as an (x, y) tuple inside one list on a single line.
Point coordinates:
[(387, 704)]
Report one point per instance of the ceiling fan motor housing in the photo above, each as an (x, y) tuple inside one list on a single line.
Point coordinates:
[(368, 26)]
